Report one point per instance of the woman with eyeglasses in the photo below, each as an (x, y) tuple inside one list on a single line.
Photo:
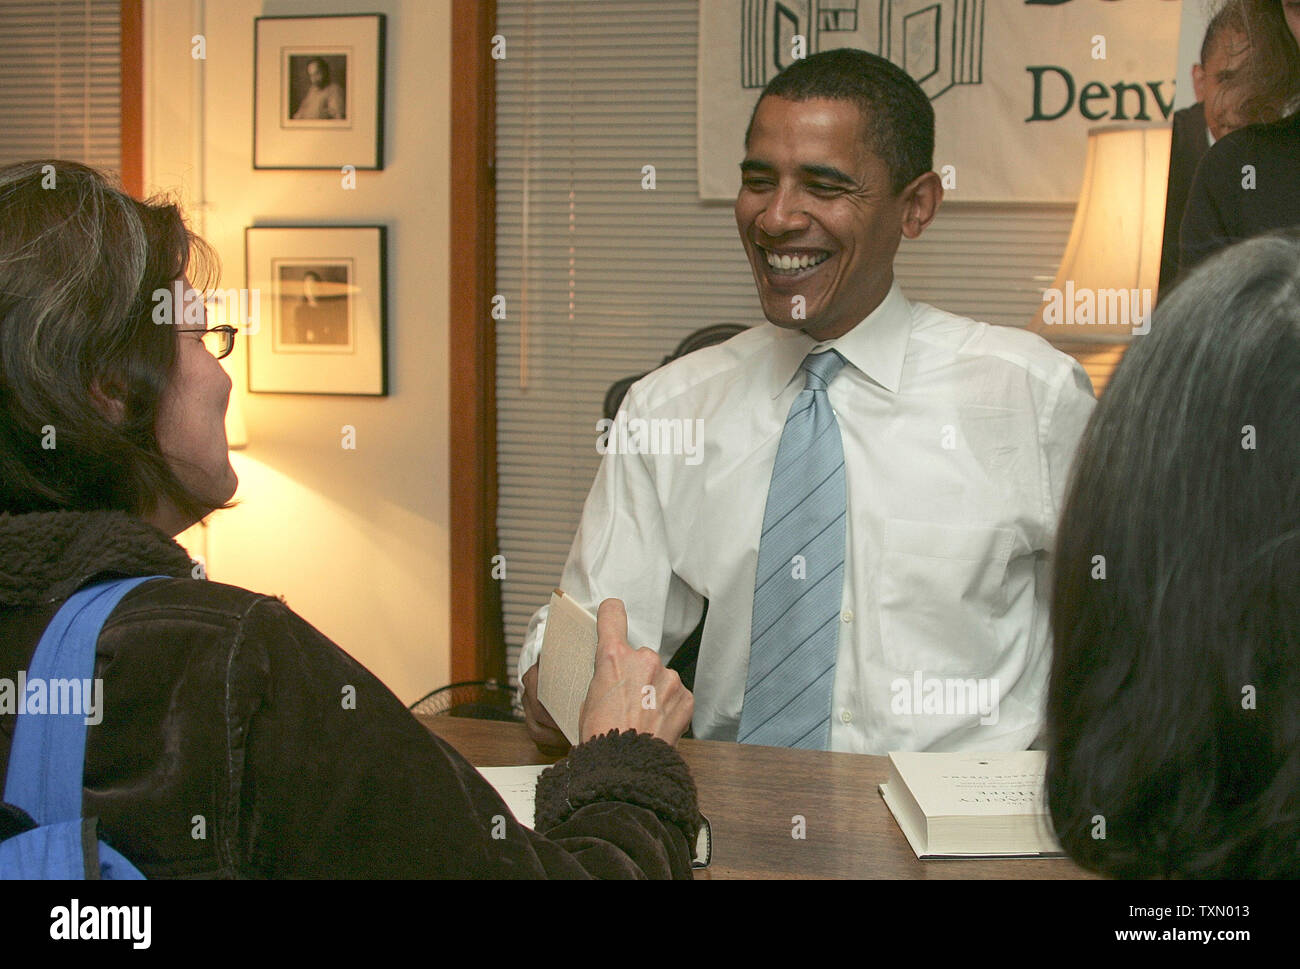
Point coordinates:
[(222, 709)]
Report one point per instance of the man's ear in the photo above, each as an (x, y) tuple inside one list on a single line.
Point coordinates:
[(921, 200), (1198, 81), (109, 397)]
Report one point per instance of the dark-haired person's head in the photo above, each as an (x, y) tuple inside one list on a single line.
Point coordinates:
[(1266, 86), (897, 117), (311, 284), (1224, 51), (318, 72), (1227, 21), (103, 407), (836, 172), (1173, 710)]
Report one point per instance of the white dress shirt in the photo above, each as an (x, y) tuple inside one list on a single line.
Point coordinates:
[(958, 438)]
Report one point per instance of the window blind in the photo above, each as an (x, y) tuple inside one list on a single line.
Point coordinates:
[(602, 278), (60, 81)]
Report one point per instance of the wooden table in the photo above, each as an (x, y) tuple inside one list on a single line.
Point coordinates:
[(752, 796)]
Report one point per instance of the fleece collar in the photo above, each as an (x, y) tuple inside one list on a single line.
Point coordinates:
[(46, 556)]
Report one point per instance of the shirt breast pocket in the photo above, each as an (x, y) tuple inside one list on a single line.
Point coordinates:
[(941, 587)]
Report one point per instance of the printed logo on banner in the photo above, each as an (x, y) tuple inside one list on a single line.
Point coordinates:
[(1015, 86)]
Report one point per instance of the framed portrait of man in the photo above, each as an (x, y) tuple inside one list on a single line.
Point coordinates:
[(323, 326), (318, 92), (315, 88), (314, 311)]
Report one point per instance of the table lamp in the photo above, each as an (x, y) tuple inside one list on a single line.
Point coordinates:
[(1105, 287)]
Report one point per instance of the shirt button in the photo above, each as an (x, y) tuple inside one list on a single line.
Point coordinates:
[(847, 615), (846, 716)]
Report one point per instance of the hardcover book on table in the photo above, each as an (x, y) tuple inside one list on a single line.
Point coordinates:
[(971, 805)]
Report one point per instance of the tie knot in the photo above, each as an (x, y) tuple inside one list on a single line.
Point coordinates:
[(821, 369)]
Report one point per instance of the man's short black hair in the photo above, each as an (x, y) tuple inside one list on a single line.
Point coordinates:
[(897, 114), (1230, 16)]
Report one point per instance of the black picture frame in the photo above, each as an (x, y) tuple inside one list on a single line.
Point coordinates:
[(327, 335), (318, 92)]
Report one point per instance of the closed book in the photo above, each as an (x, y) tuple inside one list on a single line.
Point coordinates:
[(567, 662), (971, 805)]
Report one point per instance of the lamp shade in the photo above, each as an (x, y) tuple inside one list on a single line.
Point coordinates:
[(1105, 287)]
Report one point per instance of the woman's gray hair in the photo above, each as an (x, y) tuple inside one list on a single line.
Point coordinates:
[(80, 261)]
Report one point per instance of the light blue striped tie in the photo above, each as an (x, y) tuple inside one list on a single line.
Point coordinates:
[(797, 600)]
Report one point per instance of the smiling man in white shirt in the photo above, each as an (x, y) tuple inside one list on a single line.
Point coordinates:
[(956, 441)]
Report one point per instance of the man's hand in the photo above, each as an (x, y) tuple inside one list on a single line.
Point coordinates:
[(631, 688), (541, 727)]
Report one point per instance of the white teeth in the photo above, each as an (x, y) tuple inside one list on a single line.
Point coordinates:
[(788, 263)]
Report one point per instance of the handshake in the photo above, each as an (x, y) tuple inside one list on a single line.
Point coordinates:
[(617, 698)]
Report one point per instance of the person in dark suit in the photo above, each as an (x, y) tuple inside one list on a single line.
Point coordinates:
[(1249, 183), (1198, 127)]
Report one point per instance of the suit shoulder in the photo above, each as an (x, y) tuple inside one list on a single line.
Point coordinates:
[(1193, 115), (1222, 163)]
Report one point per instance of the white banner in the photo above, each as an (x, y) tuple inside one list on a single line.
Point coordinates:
[(1016, 84)]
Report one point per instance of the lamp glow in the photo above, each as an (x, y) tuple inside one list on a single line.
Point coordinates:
[(1105, 287)]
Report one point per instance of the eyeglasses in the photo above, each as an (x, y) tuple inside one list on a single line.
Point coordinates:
[(225, 340)]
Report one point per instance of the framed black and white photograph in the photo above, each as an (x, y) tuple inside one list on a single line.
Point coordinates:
[(315, 306), (323, 327), (318, 92)]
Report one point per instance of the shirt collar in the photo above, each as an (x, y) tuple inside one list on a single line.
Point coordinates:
[(876, 346)]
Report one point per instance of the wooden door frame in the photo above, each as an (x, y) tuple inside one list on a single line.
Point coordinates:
[(132, 109), (477, 634)]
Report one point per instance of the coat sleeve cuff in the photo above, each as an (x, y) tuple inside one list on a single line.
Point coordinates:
[(632, 767)]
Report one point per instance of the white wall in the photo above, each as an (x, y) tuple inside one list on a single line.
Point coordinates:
[(355, 540)]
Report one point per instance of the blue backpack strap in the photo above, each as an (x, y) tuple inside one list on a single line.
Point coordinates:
[(63, 851), (48, 756)]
